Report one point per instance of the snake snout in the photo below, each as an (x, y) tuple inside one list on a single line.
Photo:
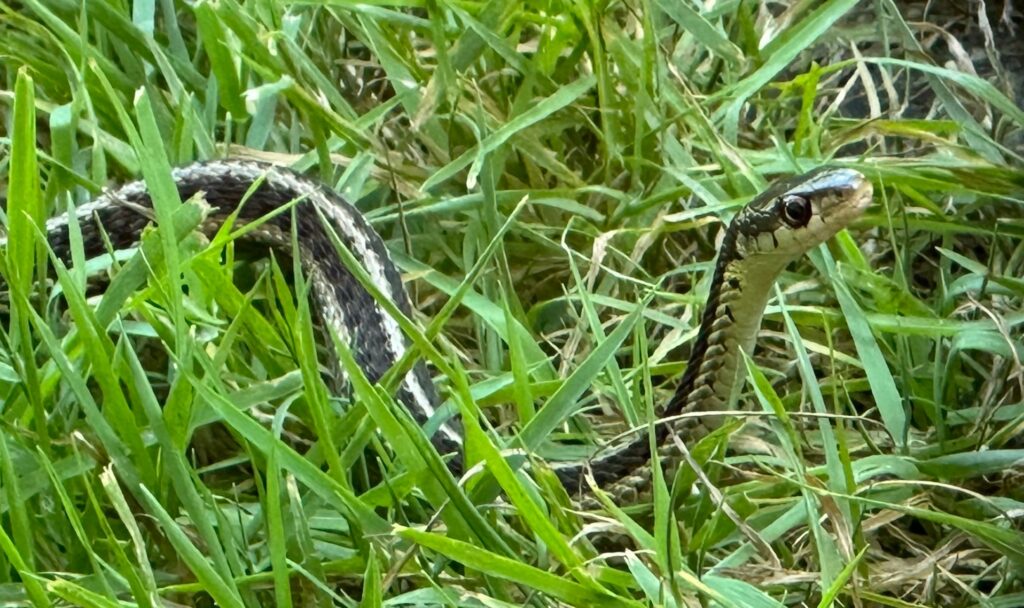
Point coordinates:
[(856, 187)]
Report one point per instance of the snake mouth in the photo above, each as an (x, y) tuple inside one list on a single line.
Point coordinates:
[(863, 192)]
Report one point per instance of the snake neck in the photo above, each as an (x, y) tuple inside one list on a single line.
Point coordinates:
[(739, 292), (740, 288)]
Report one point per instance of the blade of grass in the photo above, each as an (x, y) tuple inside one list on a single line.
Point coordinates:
[(505, 568)]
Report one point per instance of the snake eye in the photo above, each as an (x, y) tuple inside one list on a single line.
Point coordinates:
[(796, 210)]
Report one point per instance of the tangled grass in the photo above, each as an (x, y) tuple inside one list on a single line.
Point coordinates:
[(551, 177)]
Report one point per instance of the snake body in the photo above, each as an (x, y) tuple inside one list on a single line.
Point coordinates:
[(776, 227)]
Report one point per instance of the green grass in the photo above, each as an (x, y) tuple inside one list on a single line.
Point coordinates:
[(551, 178)]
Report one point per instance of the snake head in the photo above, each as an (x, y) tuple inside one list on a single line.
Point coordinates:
[(797, 214)]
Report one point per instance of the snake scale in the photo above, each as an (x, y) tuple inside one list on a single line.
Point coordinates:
[(776, 227)]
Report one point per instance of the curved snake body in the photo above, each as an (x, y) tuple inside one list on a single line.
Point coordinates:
[(775, 228)]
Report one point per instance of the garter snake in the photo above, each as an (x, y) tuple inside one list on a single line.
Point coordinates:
[(776, 227)]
